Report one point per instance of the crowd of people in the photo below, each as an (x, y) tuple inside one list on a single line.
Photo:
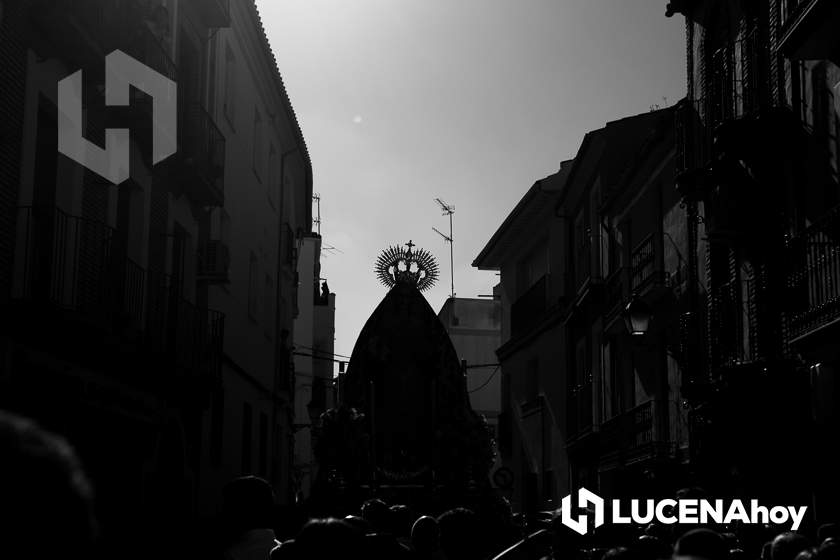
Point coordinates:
[(47, 510)]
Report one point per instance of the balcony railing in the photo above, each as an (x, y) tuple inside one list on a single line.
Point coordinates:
[(580, 409), (202, 150), (726, 323), (644, 269), (78, 265), (814, 277), (190, 336), (75, 263), (213, 262), (146, 47), (636, 434), (83, 31), (527, 311)]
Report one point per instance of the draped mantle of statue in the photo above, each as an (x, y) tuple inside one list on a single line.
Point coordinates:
[(404, 415)]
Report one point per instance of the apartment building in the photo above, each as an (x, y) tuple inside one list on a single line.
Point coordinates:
[(151, 321)]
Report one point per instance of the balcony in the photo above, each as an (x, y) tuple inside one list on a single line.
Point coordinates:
[(75, 265), (809, 29), (187, 337), (201, 155), (213, 13), (813, 280), (66, 29), (527, 311), (645, 270), (636, 435), (75, 289), (84, 31), (213, 262)]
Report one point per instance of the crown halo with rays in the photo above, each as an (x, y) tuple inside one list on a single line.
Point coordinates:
[(398, 265)]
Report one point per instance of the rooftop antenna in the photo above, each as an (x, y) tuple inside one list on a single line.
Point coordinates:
[(448, 210), (317, 221)]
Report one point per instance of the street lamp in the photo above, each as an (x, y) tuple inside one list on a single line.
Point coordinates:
[(637, 316)]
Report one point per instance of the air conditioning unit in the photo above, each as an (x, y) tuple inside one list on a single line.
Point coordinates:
[(213, 262)]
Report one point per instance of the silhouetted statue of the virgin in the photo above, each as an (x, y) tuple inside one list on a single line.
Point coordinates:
[(405, 379)]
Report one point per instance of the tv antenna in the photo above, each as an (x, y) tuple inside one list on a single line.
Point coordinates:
[(448, 210), (317, 221)]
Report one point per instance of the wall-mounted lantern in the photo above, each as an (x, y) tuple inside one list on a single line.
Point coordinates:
[(637, 316)]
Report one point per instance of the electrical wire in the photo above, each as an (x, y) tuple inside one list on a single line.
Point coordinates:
[(483, 385)]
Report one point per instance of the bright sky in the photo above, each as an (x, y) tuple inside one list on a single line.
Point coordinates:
[(403, 101)]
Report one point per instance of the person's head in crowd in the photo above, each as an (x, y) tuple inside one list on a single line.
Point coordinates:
[(787, 546), (377, 514), (248, 504), (460, 535), (619, 553), (701, 544), (402, 519), (44, 493), (809, 553), (358, 523), (737, 554), (425, 536), (828, 531), (829, 549), (327, 539), (766, 550), (649, 547), (731, 540), (657, 530)]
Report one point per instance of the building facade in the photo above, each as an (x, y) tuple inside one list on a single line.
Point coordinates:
[(475, 329), (526, 250), (153, 319), (314, 362), (584, 401), (757, 168)]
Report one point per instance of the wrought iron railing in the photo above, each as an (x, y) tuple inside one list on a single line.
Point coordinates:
[(726, 325), (192, 336), (527, 311), (643, 265), (65, 260), (79, 265), (146, 47), (636, 432), (813, 279)]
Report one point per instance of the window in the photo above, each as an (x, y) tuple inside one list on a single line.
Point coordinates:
[(256, 147), (253, 287), (246, 438), (230, 86)]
